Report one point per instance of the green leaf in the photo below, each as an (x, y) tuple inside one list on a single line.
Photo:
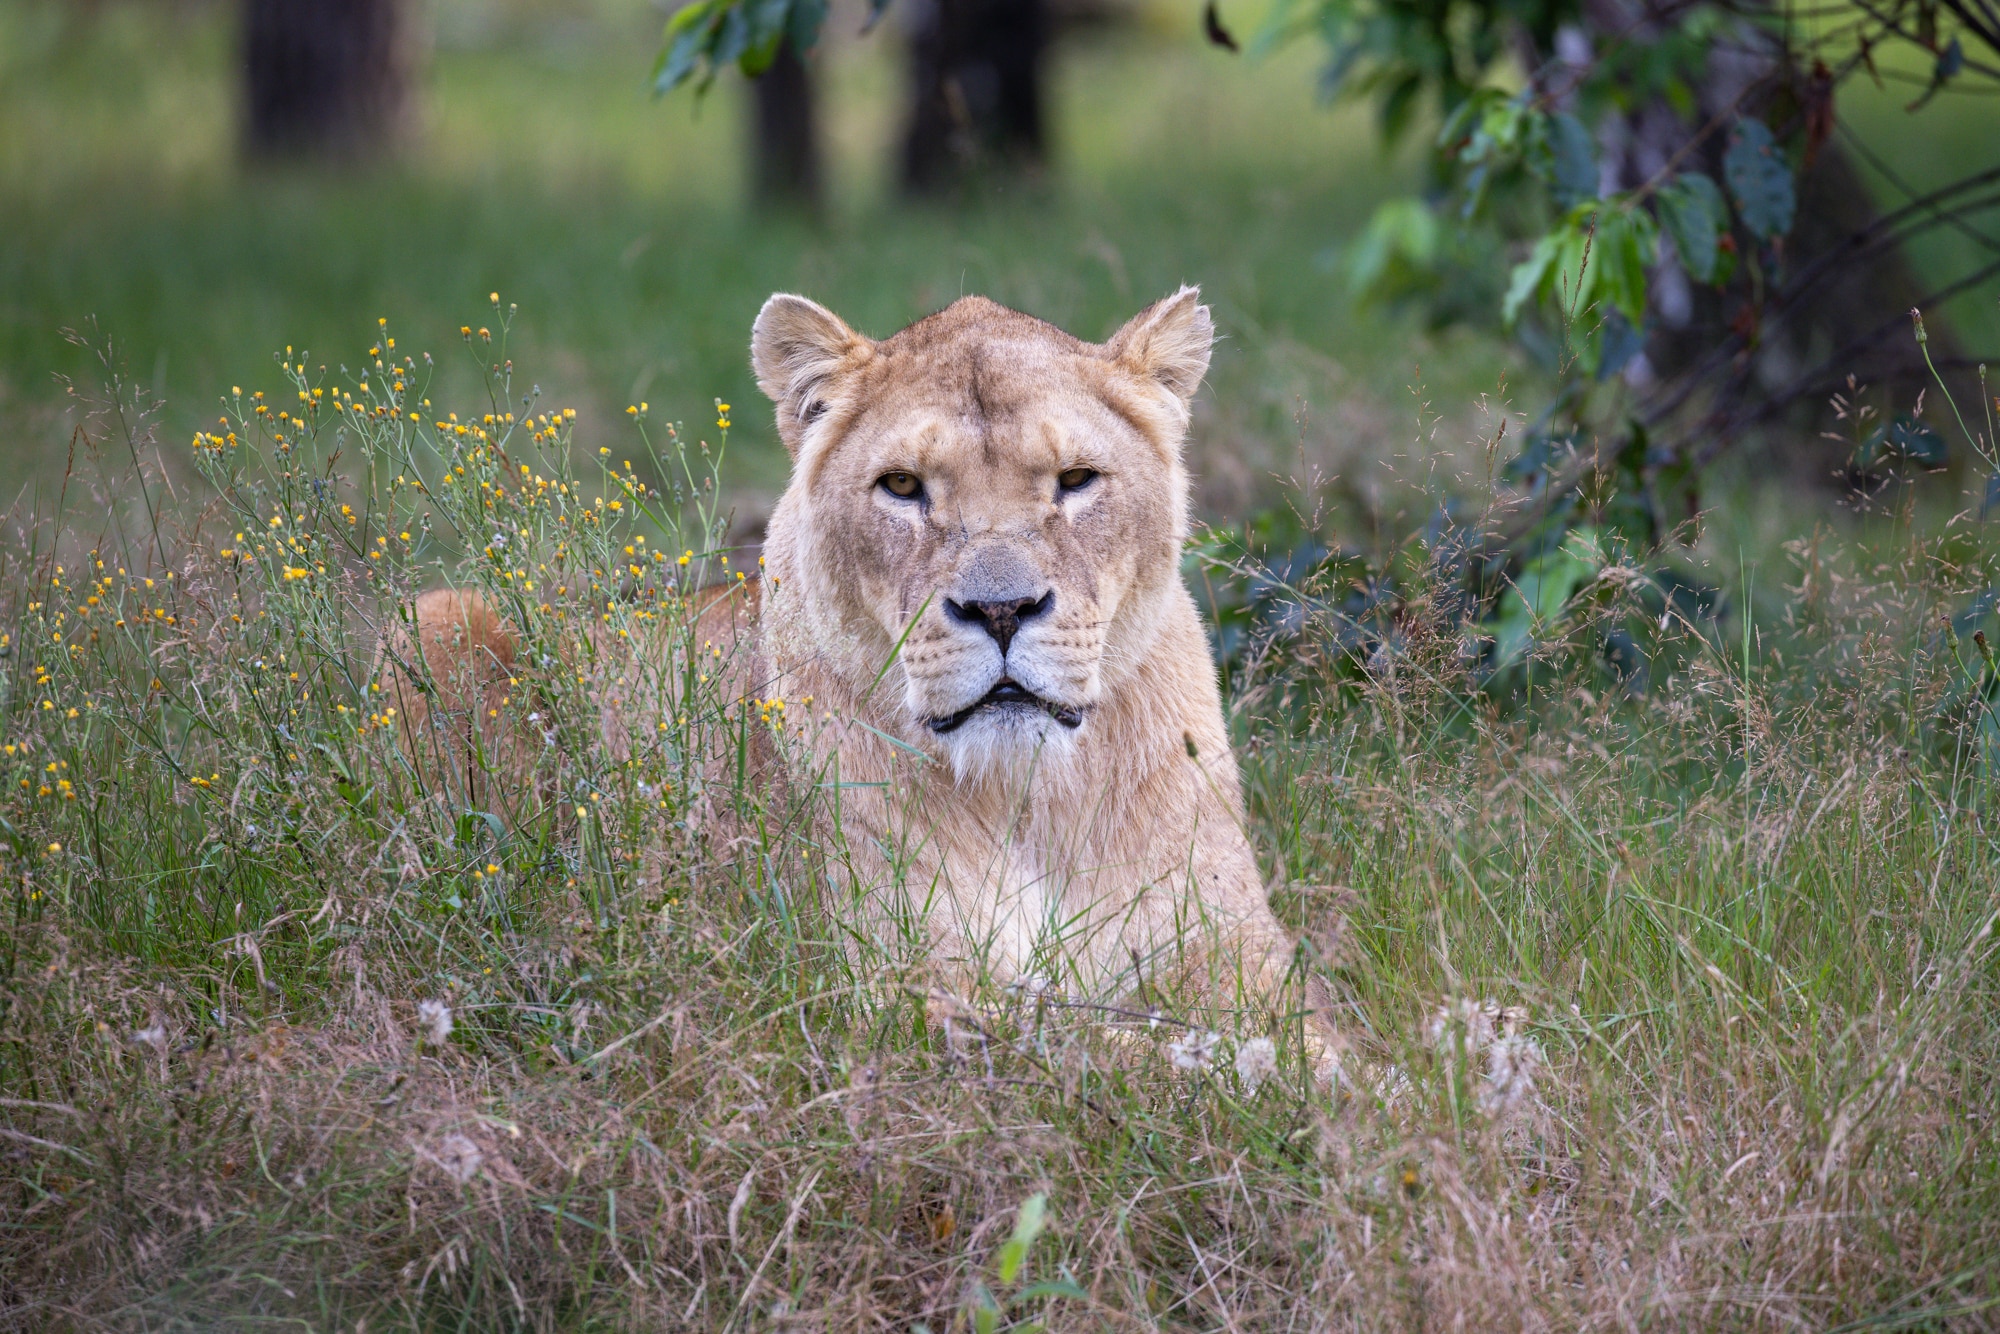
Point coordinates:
[(1725, 260), (699, 14), (732, 36), (1457, 128), (1692, 211), (766, 20), (1505, 125), (1571, 165), (690, 35), (1403, 234), (1538, 598), (1618, 341), (1400, 105), (1057, 1287), (1493, 131), (1573, 280), (1529, 276), (1028, 1226), (803, 24), (1760, 180), (1909, 438), (1625, 248), (1949, 62)]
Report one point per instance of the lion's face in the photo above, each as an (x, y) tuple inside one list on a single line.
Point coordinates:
[(994, 503)]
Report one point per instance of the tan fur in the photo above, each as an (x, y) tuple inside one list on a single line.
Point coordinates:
[(447, 671), (1101, 858), (454, 643)]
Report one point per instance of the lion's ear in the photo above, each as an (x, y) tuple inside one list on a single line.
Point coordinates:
[(1168, 343), (796, 347)]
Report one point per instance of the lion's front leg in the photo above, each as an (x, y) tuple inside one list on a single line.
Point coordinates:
[(1259, 967), (1217, 946)]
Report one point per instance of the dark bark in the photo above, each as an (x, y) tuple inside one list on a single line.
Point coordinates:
[(323, 78), (788, 173), (975, 89), (1843, 290), (1740, 364)]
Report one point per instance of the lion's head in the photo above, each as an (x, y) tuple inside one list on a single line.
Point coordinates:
[(1002, 500)]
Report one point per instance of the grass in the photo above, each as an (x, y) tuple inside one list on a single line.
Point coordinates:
[(1674, 1008), (617, 223), (1678, 1005)]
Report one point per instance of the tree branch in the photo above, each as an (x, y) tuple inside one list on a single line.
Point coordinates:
[(1721, 429), (1880, 234)]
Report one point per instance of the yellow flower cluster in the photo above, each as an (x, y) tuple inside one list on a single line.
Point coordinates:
[(548, 425)]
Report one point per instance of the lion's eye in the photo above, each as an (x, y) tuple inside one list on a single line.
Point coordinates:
[(903, 485), (1075, 479)]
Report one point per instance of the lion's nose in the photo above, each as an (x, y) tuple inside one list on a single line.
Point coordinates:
[(1001, 619)]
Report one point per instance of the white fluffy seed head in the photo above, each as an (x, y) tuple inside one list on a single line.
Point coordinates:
[(459, 1157), (434, 1018), (1472, 1025), (1511, 1064), (1256, 1061), (1193, 1050), (1463, 1028)]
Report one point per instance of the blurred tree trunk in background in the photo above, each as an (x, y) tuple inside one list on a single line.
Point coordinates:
[(323, 78), (976, 89), (1794, 345), (788, 173)]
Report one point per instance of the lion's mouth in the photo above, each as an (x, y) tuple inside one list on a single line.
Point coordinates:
[(1008, 694)]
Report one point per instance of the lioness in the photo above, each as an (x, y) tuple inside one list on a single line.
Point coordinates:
[(974, 577)]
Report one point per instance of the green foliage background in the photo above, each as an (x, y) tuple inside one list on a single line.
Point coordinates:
[(619, 223)]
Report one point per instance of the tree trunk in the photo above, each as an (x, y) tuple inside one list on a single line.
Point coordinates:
[(323, 78), (1777, 361), (788, 171), (976, 89)]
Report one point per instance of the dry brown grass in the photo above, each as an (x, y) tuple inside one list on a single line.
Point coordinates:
[(1743, 927)]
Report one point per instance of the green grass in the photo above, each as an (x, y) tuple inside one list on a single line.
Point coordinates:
[(1673, 1009), (539, 167), (545, 172), (1746, 917)]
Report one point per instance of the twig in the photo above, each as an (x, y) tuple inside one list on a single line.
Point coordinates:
[(39, 1142), (784, 1235), (1723, 428)]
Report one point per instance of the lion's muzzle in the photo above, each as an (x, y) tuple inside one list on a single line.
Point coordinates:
[(1004, 657)]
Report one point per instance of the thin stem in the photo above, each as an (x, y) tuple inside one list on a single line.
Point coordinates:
[(1924, 346)]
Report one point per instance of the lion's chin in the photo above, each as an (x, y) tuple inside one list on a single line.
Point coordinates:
[(1009, 740)]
